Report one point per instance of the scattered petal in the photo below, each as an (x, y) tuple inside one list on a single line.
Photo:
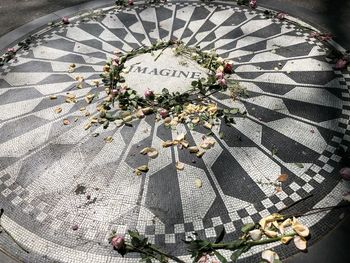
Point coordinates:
[(58, 110), (285, 240), (143, 168), (167, 143), (89, 98), (282, 178), (75, 227), (66, 122), (180, 166), (345, 173), (180, 137), (346, 197), (255, 234), (300, 242), (151, 152), (108, 139), (87, 126), (200, 154), (300, 229), (207, 125), (193, 149), (270, 233), (53, 97), (270, 256), (198, 183)]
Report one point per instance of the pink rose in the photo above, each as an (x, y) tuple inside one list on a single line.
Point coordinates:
[(115, 61), (114, 92), (204, 259), (130, 2), (164, 113), (341, 63), (11, 50), (118, 242), (219, 75), (122, 90), (281, 16), (149, 94), (252, 4), (345, 173), (228, 68), (65, 20), (222, 82)]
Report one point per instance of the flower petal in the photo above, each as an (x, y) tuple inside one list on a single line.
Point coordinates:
[(255, 234), (300, 242), (285, 240), (270, 233), (270, 256)]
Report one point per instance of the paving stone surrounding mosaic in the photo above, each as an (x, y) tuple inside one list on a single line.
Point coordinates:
[(298, 107)]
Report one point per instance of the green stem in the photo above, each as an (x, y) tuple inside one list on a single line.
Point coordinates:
[(229, 245), (176, 259)]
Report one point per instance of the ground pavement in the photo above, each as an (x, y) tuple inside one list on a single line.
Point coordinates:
[(55, 176)]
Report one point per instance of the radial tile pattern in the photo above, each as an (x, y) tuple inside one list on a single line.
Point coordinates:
[(297, 109)]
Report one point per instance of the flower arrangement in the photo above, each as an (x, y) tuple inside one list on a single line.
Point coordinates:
[(273, 228), (192, 106)]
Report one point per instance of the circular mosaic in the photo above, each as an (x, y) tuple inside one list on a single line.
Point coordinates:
[(55, 176)]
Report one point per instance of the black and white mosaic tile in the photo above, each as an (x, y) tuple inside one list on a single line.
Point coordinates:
[(299, 105)]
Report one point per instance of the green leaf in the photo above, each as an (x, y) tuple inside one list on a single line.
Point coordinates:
[(220, 237), (221, 135), (300, 165), (236, 254), (234, 111), (247, 227), (220, 257), (194, 83)]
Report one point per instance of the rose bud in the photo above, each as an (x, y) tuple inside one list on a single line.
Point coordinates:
[(11, 50), (228, 68), (222, 82), (122, 90), (116, 59), (118, 242), (252, 4), (219, 75), (149, 94), (281, 16), (130, 2), (65, 20), (345, 173), (114, 92), (164, 113), (341, 64)]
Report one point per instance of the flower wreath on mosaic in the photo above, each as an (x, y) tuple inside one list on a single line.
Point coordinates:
[(192, 107)]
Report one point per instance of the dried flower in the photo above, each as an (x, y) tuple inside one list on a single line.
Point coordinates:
[(252, 4), (222, 82), (219, 75), (114, 92), (149, 94), (341, 63), (164, 113), (281, 16), (228, 67), (65, 20), (345, 173), (300, 229), (270, 256), (300, 242), (118, 242)]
